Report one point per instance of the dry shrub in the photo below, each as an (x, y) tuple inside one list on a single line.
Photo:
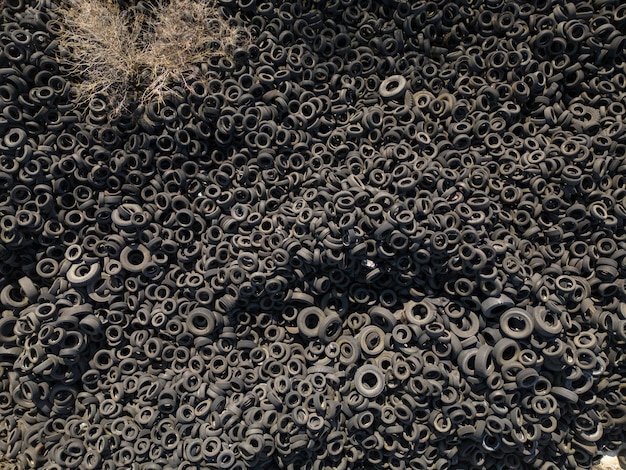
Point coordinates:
[(182, 35), (102, 47), (137, 54)]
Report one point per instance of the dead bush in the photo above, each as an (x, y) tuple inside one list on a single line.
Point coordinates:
[(137, 54)]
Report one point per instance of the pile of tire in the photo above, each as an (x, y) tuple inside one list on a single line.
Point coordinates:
[(387, 234)]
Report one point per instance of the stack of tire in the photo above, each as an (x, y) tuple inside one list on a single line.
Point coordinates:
[(387, 234)]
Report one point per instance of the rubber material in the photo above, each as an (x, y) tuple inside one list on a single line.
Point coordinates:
[(369, 381), (375, 234)]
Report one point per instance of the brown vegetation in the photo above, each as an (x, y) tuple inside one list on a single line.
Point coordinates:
[(138, 54)]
